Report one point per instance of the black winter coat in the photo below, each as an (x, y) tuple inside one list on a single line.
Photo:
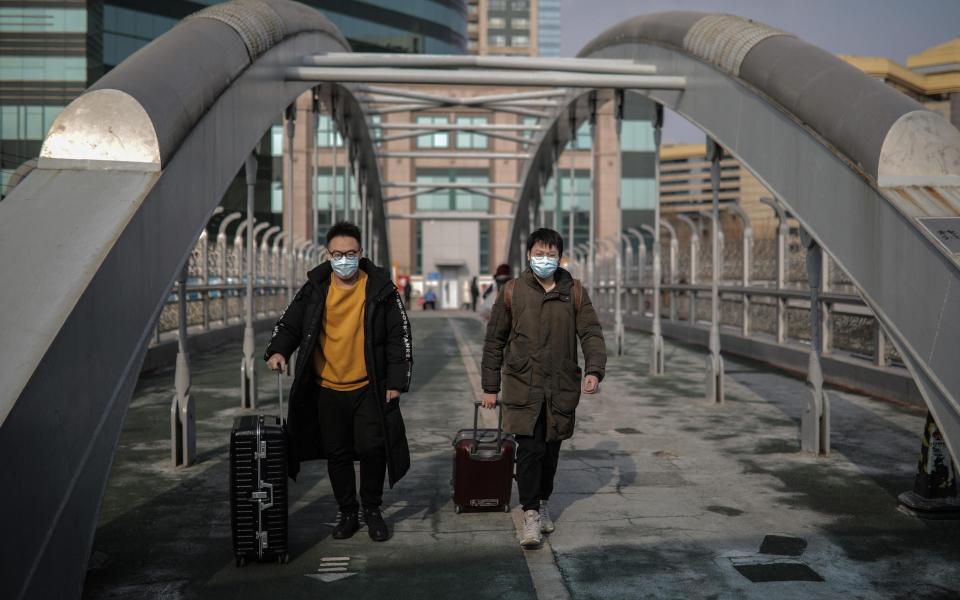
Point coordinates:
[(388, 350)]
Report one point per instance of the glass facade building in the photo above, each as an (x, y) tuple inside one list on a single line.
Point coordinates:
[(548, 27), (52, 51)]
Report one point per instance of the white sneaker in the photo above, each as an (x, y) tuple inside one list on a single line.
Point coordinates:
[(531, 529), (546, 523)]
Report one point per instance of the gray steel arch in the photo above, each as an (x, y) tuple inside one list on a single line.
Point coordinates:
[(93, 239), (858, 163)]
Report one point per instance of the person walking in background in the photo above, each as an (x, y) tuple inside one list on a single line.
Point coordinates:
[(355, 359), (430, 300), (532, 337), (474, 293)]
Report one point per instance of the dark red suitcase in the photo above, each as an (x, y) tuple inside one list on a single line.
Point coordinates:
[(483, 462)]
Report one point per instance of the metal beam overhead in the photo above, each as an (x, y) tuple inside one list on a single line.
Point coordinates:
[(434, 61), (452, 184), (485, 78), (461, 126), (448, 216), (460, 155)]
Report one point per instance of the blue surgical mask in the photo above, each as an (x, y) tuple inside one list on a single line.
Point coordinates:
[(345, 266), (544, 266)]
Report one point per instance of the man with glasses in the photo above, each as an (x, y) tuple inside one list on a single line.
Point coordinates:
[(531, 342), (354, 359)]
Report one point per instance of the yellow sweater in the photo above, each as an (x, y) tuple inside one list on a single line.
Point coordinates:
[(338, 358)]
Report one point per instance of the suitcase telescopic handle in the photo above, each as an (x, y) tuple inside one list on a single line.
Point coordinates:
[(280, 393), (476, 416)]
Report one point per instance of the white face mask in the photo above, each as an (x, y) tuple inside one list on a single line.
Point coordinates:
[(345, 266), (544, 266)]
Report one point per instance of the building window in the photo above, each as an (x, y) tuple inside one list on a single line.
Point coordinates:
[(520, 41), (436, 139), (496, 23), (43, 68), (276, 140), (497, 40), (636, 136), (520, 23), (472, 45), (419, 266), (497, 5), (276, 197), (470, 139), (520, 5), (452, 199), (484, 246), (636, 193), (27, 122), (326, 136), (43, 20), (532, 122)]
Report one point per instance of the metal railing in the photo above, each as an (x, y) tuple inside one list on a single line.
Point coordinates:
[(216, 278)]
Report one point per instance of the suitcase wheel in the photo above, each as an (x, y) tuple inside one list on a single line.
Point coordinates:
[(457, 509), (241, 561)]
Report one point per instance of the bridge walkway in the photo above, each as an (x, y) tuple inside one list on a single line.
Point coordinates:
[(658, 495)]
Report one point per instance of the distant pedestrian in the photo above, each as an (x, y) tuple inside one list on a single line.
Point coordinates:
[(430, 300), (355, 359), (532, 336), (407, 291), (474, 293)]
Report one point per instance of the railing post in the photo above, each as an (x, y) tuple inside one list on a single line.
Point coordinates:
[(591, 238), (205, 277), (289, 202), (815, 422), (782, 232), (572, 209), (879, 344), (715, 375), (333, 157), (183, 435), (248, 372)]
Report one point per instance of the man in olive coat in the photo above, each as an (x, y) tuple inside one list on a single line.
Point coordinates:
[(532, 336), (355, 359)]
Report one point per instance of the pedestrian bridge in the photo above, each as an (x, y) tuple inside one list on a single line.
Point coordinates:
[(97, 235)]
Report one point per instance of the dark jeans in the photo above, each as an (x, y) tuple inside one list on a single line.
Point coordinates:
[(536, 464), (351, 426)]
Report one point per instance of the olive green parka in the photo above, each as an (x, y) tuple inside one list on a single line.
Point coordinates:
[(533, 342)]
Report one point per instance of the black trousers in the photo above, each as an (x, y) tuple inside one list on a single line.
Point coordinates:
[(536, 464), (351, 426)]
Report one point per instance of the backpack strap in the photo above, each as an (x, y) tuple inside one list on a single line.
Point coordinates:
[(577, 295), (508, 294)]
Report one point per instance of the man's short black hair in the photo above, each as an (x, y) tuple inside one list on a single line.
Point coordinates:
[(547, 237), (344, 228)]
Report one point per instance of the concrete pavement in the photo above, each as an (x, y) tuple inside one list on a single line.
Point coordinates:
[(659, 495)]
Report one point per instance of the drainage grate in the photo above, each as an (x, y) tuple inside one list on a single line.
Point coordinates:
[(777, 571)]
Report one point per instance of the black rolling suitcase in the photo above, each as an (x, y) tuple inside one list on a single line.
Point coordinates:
[(258, 487), (483, 468)]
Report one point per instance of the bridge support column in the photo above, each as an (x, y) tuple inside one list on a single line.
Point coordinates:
[(934, 493), (656, 351), (248, 372), (183, 435), (715, 375), (815, 422)]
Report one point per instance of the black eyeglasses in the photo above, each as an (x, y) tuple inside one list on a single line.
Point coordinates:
[(339, 255)]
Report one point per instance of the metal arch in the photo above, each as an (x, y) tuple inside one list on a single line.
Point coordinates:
[(854, 132), (193, 87)]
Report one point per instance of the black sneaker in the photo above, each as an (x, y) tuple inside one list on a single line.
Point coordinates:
[(376, 526), (347, 524)]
